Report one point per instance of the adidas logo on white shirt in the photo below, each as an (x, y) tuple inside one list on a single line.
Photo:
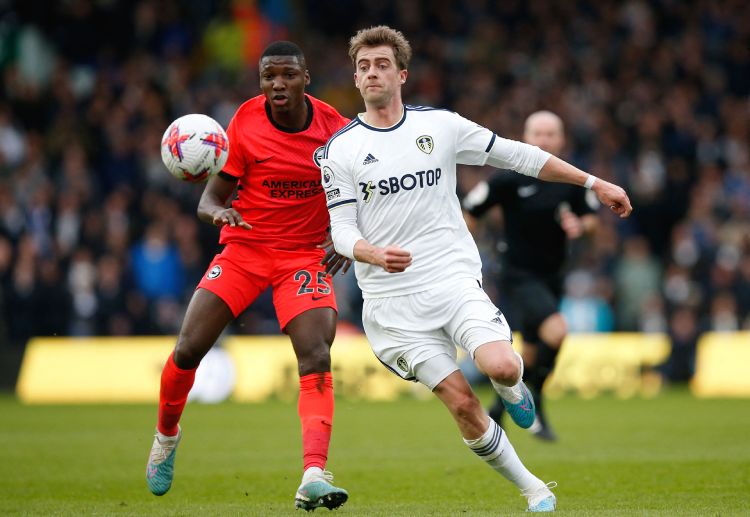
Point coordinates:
[(370, 159)]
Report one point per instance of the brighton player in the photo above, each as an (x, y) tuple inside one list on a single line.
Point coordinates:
[(390, 180), (537, 216), (272, 234)]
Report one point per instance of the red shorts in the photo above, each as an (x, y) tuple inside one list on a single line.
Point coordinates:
[(242, 271)]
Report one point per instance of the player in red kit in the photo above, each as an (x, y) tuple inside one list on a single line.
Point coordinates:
[(272, 234)]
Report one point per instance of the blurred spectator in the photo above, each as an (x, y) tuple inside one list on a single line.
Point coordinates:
[(156, 264), (684, 333), (637, 278), (584, 309)]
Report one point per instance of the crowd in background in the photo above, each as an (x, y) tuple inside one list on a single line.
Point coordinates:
[(96, 238)]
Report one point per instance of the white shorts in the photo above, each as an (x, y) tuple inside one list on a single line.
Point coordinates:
[(416, 335)]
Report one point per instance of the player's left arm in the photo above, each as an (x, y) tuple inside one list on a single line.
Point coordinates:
[(476, 145), (611, 195)]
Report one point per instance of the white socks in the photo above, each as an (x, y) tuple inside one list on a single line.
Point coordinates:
[(512, 394), (163, 438), (494, 448), (312, 474)]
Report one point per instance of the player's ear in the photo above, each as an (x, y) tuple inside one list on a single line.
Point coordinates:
[(307, 77), (403, 74), (356, 80)]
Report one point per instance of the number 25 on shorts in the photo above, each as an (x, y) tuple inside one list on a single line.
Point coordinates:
[(305, 278)]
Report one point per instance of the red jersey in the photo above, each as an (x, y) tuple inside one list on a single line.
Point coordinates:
[(279, 191)]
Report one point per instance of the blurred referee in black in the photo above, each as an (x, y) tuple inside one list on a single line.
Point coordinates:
[(539, 219)]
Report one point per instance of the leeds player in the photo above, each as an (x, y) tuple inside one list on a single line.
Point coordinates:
[(390, 181)]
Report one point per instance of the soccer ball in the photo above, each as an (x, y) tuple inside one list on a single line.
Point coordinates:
[(194, 147)]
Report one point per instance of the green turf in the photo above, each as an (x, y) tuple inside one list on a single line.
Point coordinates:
[(672, 455)]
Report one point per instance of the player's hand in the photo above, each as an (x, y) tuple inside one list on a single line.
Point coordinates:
[(394, 259), (334, 261), (231, 217), (613, 197)]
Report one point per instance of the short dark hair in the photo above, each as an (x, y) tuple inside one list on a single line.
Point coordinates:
[(284, 48)]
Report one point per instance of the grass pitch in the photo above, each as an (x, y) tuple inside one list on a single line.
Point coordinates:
[(673, 455)]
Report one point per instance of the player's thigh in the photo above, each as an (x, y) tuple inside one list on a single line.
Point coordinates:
[(238, 275), (206, 317), (475, 320), (428, 356), (301, 284)]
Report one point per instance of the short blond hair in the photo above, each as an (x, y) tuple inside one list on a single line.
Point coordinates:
[(381, 35)]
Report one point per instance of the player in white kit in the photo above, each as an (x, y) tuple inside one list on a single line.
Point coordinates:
[(390, 182)]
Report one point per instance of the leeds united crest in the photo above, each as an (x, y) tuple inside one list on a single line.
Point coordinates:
[(425, 144)]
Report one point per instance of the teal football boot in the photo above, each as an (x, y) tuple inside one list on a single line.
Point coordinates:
[(160, 468), (523, 412), (320, 492)]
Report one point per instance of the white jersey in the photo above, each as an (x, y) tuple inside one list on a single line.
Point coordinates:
[(397, 186)]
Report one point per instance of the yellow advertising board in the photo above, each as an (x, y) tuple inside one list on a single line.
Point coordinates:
[(266, 367), (722, 367), (128, 370), (90, 370), (590, 364)]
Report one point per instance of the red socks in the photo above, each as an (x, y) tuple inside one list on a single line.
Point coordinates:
[(315, 409), (175, 386)]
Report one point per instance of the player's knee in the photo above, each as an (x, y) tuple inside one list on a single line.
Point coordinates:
[(505, 372), (314, 357), (187, 354)]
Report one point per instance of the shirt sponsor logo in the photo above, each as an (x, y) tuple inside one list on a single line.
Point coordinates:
[(367, 189), (292, 189), (395, 184)]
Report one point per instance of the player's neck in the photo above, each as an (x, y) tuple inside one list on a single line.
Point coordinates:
[(294, 120), (385, 116)]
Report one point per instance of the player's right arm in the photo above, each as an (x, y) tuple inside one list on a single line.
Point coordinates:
[(212, 208), (341, 196), (391, 258)]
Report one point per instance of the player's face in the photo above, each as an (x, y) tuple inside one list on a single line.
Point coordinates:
[(545, 133), (283, 80), (377, 76)]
